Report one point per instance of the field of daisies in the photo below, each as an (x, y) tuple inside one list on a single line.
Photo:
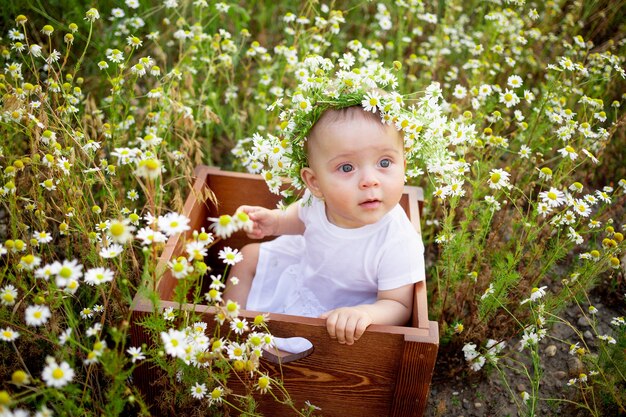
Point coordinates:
[(104, 113)]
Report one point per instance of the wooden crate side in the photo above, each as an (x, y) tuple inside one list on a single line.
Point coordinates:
[(415, 373), (196, 209), (367, 377)]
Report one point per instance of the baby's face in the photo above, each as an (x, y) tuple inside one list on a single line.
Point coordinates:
[(357, 166)]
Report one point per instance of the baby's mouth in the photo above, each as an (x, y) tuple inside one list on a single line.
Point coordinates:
[(370, 203)]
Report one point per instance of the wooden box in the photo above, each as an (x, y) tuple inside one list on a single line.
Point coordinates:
[(386, 373)]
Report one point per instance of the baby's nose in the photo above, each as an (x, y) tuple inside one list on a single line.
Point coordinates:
[(368, 179)]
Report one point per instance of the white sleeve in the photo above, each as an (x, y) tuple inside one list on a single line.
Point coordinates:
[(401, 261), (306, 206)]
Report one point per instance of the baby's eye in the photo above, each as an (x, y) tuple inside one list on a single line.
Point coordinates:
[(384, 163), (346, 168)]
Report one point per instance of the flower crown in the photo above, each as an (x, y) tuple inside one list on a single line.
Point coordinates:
[(322, 86)]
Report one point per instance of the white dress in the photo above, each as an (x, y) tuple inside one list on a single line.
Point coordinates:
[(330, 267)]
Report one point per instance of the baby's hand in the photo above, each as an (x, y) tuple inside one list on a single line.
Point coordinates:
[(346, 324), (264, 221)]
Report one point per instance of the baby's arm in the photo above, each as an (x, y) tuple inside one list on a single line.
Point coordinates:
[(274, 222), (393, 307)]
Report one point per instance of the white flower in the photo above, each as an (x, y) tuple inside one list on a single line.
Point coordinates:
[(198, 391), (175, 343), (243, 221), (515, 81), (469, 350), (553, 197), (239, 326), (8, 295), (57, 375), (180, 267), (509, 98), (43, 237), (135, 354), (230, 256), (195, 251), (490, 290), (460, 92), (568, 152), (120, 231), (529, 339), (224, 226), (535, 294), (67, 271), (97, 276), (92, 15), (8, 334), (173, 223), (37, 315), (371, 101), (111, 251), (498, 179), (148, 236)]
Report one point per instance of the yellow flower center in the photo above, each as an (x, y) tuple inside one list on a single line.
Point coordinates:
[(117, 229), (58, 373)]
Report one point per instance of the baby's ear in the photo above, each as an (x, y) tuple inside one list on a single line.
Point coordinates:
[(310, 179)]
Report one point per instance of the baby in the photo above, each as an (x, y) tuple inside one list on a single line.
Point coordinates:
[(346, 251)]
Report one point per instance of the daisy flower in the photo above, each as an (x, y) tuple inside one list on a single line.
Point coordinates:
[(515, 81), (553, 197), (576, 187), (568, 152), (180, 267), (490, 290), (509, 98), (198, 391), (175, 343), (498, 179), (243, 221), (120, 231), (111, 251), (459, 92), (169, 314), (581, 208), (149, 168), (8, 334), (263, 384), (97, 276), (236, 351), (8, 295), (230, 256), (173, 223), (57, 375), (239, 326), (545, 173), (543, 209), (535, 294), (604, 196), (148, 236), (204, 237), (232, 308), (37, 315), (223, 226), (67, 271), (196, 251), (524, 152), (43, 237), (371, 101), (135, 354), (217, 395)]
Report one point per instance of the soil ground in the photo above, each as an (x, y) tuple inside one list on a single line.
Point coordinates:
[(481, 394)]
